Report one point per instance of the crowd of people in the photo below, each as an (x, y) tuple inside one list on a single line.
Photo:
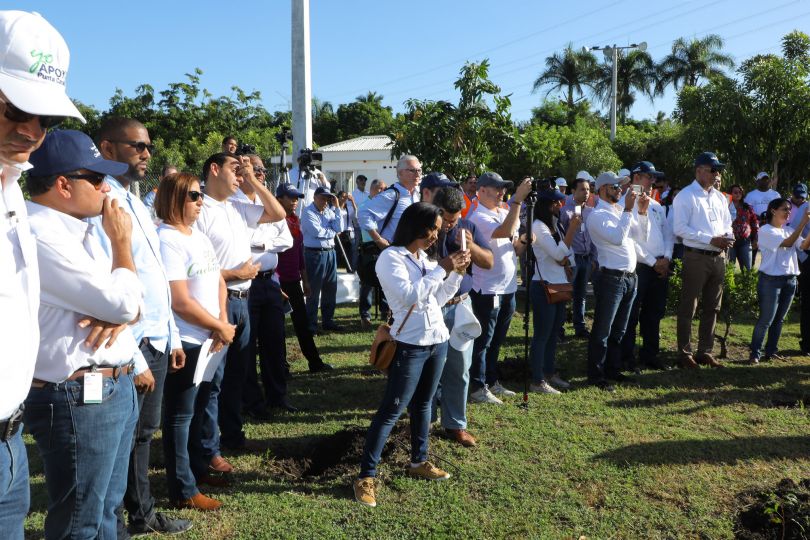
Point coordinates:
[(127, 316)]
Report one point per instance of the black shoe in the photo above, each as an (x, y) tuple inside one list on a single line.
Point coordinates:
[(657, 365), (333, 327), (161, 524), (286, 407), (621, 378), (603, 385), (259, 414), (323, 366), (582, 334)]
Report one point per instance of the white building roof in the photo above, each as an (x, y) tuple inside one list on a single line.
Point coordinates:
[(364, 143)]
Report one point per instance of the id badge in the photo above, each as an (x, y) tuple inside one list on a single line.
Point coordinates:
[(713, 215), (496, 301), (93, 384)]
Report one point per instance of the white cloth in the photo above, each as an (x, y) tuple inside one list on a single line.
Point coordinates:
[(502, 277), (614, 232), (19, 294), (701, 215), (661, 239), (548, 254), (307, 186), (406, 281), (192, 259), (226, 225), (76, 281), (267, 240), (777, 260), (759, 199)]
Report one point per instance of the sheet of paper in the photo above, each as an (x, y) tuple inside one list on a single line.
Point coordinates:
[(208, 362)]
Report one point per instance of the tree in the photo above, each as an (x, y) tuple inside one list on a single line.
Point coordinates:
[(463, 138), (636, 73), (365, 116), (570, 71), (324, 122), (693, 60)]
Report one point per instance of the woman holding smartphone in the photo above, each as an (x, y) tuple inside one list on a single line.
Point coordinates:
[(198, 302), (777, 275)]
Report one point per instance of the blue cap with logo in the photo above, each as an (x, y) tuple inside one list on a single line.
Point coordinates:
[(288, 190), (435, 180), (321, 190), (67, 150), (647, 168), (710, 159), (800, 190)]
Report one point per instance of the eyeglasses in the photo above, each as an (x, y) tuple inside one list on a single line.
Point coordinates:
[(139, 146), (414, 171), (97, 179), (21, 117), (259, 170), (194, 196)]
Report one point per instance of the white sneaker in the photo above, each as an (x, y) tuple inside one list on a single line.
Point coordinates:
[(543, 388), (557, 381), (499, 390), (483, 395)]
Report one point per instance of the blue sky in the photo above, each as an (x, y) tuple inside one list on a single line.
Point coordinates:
[(401, 50)]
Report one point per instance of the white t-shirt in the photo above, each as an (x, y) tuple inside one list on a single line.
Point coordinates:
[(759, 199), (502, 277), (777, 260), (192, 259), (548, 254)]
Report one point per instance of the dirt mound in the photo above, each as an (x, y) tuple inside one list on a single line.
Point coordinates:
[(337, 455), (779, 513)]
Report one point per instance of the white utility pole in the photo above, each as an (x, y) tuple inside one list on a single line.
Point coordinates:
[(301, 79)]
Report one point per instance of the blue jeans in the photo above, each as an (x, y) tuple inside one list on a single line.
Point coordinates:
[(775, 296), (138, 499), (412, 382), (494, 321), (649, 307), (182, 453), (455, 380), (322, 273), (741, 252), (85, 450), (15, 497), (548, 319), (268, 338), (239, 357), (582, 272), (614, 298)]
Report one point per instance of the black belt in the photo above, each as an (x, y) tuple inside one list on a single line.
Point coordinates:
[(233, 293), (11, 425), (266, 274), (708, 252), (617, 273), (319, 248)]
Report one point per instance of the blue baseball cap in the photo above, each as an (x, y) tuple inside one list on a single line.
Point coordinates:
[(647, 168), (68, 150), (710, 159), (288, 190), (550, 195), (321, 190), (800, 190), (435, 180)]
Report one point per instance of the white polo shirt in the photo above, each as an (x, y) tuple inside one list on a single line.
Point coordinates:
[(76, 282), (19, 293), (502, 277), (227, 224)]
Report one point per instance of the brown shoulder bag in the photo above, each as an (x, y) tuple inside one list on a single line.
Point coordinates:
[(384, 346)]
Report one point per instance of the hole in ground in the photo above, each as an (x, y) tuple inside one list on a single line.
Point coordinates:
[(780, 512)]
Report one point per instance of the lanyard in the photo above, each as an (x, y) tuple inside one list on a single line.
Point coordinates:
[(420, 268)]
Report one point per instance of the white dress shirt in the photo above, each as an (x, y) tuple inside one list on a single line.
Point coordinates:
[(406, 281), (759, 199), (502, 277), (76, 282), (19, 294), (701, 215), (226, 224), (778, 260), (661, 239), (548, 254), (614, 232), (359, 197), (267, 240)]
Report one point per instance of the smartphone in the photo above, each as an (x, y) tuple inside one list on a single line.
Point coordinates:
[(636, 189), (463, 240), (578, 210)]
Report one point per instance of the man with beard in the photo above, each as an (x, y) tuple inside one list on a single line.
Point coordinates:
[(127, 141)]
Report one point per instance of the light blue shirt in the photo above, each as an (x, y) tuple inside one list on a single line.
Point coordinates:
[(372, 215), (793, 222), (320, 228), (157, 322)]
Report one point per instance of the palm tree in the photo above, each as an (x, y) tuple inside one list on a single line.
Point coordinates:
[(693, 60), (370, 97), (636, 73), (570, 70), (321, 108)]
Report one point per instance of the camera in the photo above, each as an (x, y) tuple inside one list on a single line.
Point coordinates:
[(244, 149), (306, 158), (284, 136)]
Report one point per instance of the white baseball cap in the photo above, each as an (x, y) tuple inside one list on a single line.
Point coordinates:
[(762, 175), (624, 172), (561, 182), (585, 175), (610, 178), (34, 61), (465, 327)]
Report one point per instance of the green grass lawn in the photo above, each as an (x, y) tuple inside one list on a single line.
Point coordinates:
[(665, 458)]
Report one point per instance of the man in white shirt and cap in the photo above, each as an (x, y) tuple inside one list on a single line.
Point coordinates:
[(614, 229), (32, 99)]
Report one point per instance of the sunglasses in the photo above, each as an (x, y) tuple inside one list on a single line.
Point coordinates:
[(195, 196), (14, 114), (96, 179), (139, 146), (259, 170)]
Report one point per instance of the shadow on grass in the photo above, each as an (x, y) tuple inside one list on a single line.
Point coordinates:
[(708, 451)]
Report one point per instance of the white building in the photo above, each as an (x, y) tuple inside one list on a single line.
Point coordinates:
[(369, 155)]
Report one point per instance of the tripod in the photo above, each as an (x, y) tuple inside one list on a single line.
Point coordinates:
[(528, 264)]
